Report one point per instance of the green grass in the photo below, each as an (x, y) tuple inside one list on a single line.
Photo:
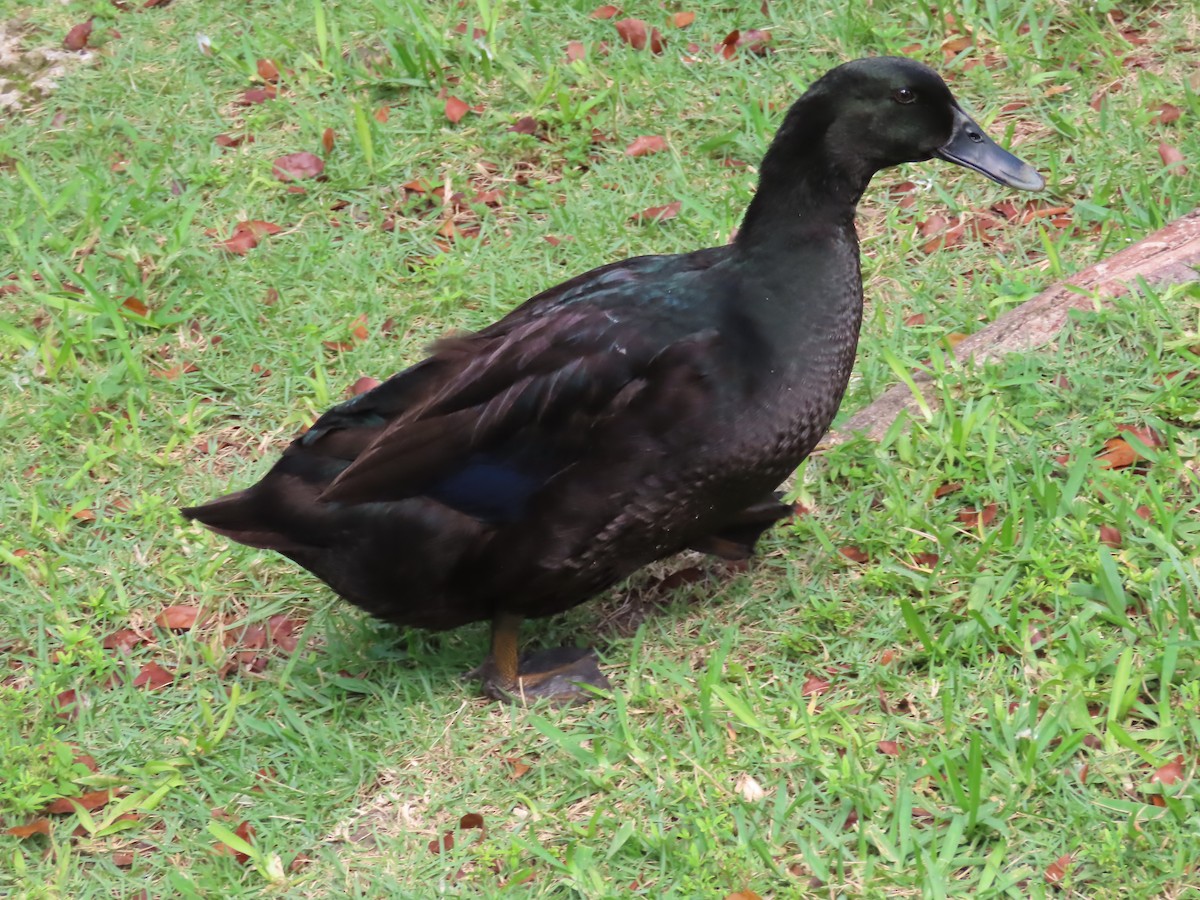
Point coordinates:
[(1032, 678)]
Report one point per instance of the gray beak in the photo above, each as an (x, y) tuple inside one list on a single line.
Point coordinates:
[(970, 147)]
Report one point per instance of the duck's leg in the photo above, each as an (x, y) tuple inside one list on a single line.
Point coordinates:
[(556, 675)]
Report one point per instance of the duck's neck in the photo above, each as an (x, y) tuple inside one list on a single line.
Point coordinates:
[(805, 187)]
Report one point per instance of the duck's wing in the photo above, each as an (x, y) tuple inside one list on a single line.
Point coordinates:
[(501, 424)]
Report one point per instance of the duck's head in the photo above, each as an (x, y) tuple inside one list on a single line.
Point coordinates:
[(883, 111)]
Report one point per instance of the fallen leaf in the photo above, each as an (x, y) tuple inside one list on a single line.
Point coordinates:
[(519, 767), (743, 895), (854, 554), (973, 517), (258, 95), (753, 40), (358, 328), (1172, 159), (471, 820), (37, 826), (327, 137), (66, 705), (1167, 113), (230, 140), (749, 789), (455, 109), (362, 385), (443, 845), (246, 832), (1057, 870), (575, 51), (295, 166), (1110, 536), (657, 213), (177, 618), (1144, 512), (153, 676), (524, 125), (283, 632), (646, 144), (633, 32), (925, 559), (604, 12), (683, 19), (77, 37), (1170, 773), (658, 43), (814, 686), (914, 320), (888, 748), (136, 306), (1118, 453), (267, 70), (89, 801)]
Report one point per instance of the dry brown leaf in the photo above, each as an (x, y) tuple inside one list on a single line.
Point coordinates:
[(973, 517), (749, 789), (683, 19), (604, 12), (519, 767), (914, 320), (246, 832), (136, 306), (1057, 870), (1110, 536), (362, 385), (1118, 453), (646, 144), (854, 554), (267, 71), (1167, 113), (524, 125), (949, 488), (814, 686), (575, 51), (295, 166), (1170, 773), (89, 801), (77, 37), (1172, 159), (888, 748), (327, 137), (153, 676), (177, 618), (258, 95), (657, 213), (633, 32), (37, 826), (743, 895), (455, 109)]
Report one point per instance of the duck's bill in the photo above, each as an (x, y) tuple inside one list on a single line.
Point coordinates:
[(969, 146)]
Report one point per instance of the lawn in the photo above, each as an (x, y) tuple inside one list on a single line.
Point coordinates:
[(969, 667)]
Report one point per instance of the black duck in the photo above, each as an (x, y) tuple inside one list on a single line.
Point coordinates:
[(644, 407)]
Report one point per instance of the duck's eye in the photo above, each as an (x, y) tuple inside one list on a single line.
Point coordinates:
[(904, 95)]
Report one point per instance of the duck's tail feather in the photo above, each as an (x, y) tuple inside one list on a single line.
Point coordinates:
[(238, 517)]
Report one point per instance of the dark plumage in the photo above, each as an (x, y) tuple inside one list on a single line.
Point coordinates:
[(644, 407)]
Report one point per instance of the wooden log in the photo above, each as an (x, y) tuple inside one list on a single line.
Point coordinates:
[(1168, 256)]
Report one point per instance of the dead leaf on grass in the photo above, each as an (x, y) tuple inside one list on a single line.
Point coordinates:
[(646, 144), (607, 11), (177, 618), (978, 517), (657, 213), (153, 676), (455, 109), (1057, 870), (1172, 159), (295, 166), (77, 37), (37, 826), (89, 801)]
